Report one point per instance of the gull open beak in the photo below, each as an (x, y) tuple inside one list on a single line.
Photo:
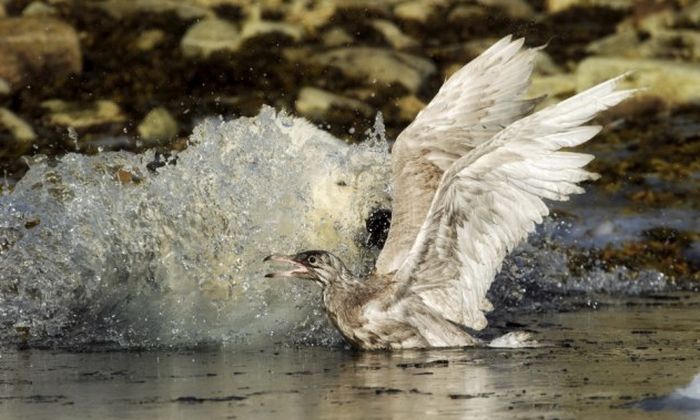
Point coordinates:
[(299, 269)]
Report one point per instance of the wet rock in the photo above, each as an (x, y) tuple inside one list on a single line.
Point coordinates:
[(296, 54), (337, 37), (558, 5), (393, 35), (675, 82), (675, 44), (253, 28), (544, 65), (409, 106), (419, 10), (680, 44), (149, 39), (208, 36), (450, 69), (518, 9), (186, 10), (619, 44), (554, 88), (654, 20), (211, 35), (316, 103), (38, 8), (690, 15), (465, 52), (33, 47), (379, 65), (21, 134), (312, 15), (462, 52), (466, 12), (5, 88), (82, 116), (157, 127)]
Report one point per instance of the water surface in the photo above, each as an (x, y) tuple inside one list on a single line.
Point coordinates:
[(596, 364)]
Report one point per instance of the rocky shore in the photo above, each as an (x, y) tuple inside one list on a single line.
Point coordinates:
[(138, 74)]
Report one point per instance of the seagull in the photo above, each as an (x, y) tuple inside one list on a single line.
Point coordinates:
[(470, 177)]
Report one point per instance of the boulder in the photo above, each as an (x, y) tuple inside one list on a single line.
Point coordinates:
[(621, 44), (673, 81), (5, 88), (518, 9), (419, 10), (678, 44), (316, 103), (21, 134), (690, 15), (379, 65), (662, 43), (211, 35), (38, 8), (467, 12), (651, 22), (82, 116), (544, 65), (254, 27), (554, 6), (336, 37), (409, 106), (34, 47), (393, 35), (554, 87), (157, 127), (208, 36), (149, 39), (184, 9)]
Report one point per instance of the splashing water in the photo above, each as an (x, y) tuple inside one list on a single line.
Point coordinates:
[(100, 248), (140, 250)]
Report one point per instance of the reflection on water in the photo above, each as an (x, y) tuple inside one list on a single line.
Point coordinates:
[(595, 365), (683, 399)]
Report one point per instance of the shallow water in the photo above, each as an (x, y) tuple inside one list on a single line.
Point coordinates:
[(596, 364)]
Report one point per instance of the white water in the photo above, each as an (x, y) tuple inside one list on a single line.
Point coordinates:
[(176, 258)]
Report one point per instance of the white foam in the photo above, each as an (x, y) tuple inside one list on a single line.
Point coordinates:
[(177, 257)]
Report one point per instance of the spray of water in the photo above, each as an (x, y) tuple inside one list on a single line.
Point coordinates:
[(104, 248)]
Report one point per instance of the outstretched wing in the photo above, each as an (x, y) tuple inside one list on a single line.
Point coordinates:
[(490, 200), (478, 101)]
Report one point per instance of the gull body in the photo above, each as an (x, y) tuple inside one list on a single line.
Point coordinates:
[(470, 175)]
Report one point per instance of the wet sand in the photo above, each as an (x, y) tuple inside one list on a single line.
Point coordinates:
[(596, 364)]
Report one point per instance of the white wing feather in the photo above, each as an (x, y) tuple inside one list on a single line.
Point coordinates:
[(490, 200), (477, 102)]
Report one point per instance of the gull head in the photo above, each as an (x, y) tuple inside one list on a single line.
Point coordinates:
[(320, 266)]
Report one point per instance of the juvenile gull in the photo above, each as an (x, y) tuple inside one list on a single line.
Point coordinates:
[(470, 174)]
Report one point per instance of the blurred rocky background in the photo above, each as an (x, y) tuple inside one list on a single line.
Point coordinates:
[(89, 76)]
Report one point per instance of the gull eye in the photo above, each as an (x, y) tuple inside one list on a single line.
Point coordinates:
[(312, 260)]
